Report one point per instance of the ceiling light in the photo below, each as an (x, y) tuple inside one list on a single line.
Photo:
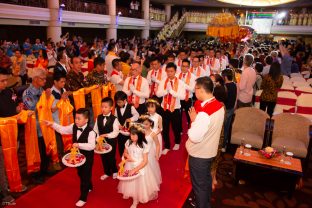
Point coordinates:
[(257, 2)]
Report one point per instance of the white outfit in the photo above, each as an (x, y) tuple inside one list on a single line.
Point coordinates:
[(152, 162), (143, 93), (143, 188), (155, 118), (116, 78)]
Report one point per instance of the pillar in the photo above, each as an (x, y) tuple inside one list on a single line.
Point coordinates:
[(111, 31), (146, 11), (168, 12), (54, 29)]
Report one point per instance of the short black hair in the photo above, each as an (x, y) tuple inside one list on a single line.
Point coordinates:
[(110, 46), (228, 73), (268, 60), (91, 54), (115, 62), (58, 76), (84, 111), (186, 60), (171, 65), (108, 100), (206, 83), (155, 58), (4, 71), (120, 95), (98, 61), (259, 67)]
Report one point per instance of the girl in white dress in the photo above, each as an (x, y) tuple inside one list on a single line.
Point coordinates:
[(152, 105), (143, 188), (152, 141)]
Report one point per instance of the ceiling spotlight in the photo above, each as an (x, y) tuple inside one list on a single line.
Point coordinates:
[(62, 5), (281, 15), (119, 13)]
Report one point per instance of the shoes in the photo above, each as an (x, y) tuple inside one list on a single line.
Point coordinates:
[(103, 177), (114, 175), (8, 201), (176, 147), (134, 204), (80, 203), (57, 167), (90, 190), (223, 150), (23, 189), (165, 151)]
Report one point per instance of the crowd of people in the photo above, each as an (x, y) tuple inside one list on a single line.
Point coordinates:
[(156, 81)]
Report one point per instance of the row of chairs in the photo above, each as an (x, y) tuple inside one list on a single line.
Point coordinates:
[(288, 101), (290, 130)]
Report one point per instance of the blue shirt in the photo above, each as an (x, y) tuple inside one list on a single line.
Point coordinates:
[(27, 48), (30, 99), (37, 47), (286, 65)]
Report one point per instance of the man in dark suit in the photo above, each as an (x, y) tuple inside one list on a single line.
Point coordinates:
[(61, 67)]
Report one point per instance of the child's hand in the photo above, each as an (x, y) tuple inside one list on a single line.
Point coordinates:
[(75, 145), (128, 120), (132, 172), (120, 127), (157, 157), (47, 123), (103, 135)]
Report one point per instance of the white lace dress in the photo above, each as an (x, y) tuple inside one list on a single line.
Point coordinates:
[(145, 187), (156, 117)]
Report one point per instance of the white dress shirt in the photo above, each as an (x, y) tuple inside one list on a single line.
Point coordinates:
[(223, 63), (110, 135), (179, 94), (191, 86), (143, 93), (134, 112), (69, 130), (215, 68), (116, 79), (202, 72), (152, 78)]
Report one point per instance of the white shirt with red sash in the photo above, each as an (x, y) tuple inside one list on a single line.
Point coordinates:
[(143, 92), (179, 94), (116, 77), (154, 78), (189, 87), (213, 65), (198, 71), (204, 134)]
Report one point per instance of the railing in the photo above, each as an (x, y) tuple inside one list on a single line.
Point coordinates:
[(180, 25), (84, 6), (126, 12), (31, 3), (157, 15)]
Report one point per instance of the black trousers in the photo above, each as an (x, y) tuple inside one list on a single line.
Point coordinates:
[(44, 164), (185, 106), (85, 176), (175, 119), (109, 159), (141, 109), (121, 143), (267, 107), (60, 145), (200, 171)]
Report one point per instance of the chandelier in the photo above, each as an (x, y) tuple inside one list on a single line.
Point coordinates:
[(257, 2)]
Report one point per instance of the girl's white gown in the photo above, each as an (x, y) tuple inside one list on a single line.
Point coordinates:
[(155, 118), (145, 187), (152, 162)]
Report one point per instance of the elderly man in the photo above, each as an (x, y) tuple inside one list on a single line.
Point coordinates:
[(137, 89), (8, 108), (247, 81), (203, 141), (19, 66), (30, 99)]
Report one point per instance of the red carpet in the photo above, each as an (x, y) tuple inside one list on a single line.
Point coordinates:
[(62, 190)]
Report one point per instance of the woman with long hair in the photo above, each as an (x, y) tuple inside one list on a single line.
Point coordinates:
[(42, 60), (270, 85)]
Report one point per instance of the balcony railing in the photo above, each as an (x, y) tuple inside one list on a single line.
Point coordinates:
[(85, 6), (31, 3), (126, 12)]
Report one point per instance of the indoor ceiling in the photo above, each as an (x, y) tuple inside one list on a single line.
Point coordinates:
[(216, 3)]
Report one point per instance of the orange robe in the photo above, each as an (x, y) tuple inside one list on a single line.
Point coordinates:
[(96, 98), (44, 107), (8, 135), (66, 118)]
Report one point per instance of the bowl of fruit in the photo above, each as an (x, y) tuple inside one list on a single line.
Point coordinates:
[(102, 147), (268, 152), (74, 158)]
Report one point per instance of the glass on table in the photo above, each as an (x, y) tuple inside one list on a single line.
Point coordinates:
[(288, 158), (242, 146), (247, 150), (283, 154)]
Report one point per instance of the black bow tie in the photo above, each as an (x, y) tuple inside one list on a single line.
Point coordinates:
[(106, 117), (80, 129)]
